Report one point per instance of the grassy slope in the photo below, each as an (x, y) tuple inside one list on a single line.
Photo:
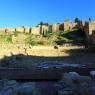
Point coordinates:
[(59, 37)]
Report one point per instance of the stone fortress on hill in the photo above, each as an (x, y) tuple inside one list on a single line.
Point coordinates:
[(66, 25)]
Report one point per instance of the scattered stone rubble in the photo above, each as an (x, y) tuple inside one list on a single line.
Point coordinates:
[(13, 87), (56, 64), (74, 84), (71, 84)]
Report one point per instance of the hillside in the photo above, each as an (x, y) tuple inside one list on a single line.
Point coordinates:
[(48, 38)]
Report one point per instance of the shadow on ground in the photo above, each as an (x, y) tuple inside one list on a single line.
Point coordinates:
[(76, 56)]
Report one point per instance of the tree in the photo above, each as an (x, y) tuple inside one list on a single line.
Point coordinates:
[(41, 23), (89, 19), (77, 20)]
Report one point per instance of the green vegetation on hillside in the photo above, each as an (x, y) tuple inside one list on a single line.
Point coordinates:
[(30, 41), (6, 38), (47, 38)]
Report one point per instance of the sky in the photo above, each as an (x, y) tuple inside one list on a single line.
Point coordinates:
[(15, 13)]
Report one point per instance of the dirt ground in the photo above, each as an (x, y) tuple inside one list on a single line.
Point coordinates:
[(26, 56)]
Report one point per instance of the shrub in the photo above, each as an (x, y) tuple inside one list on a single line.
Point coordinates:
[(30, 41), (16, 33), (41, 42), (8, 38)]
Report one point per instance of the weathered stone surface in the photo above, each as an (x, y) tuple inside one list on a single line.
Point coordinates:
[(27, 29), (74, 84), (8, 87), (54, 27), (2, 30), (1, 84), (10, 30), (10, 83), (45, 88), (20, 29), (35, 30), (26, 89), (11, 87), (71, 77), (92, 73), (8, 91)]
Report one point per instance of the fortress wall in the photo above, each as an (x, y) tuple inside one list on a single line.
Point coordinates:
[(50, 28), (86, 29), (10, 30), (82, 22), (45, 28), (27, 29), (55, 27), (67, 25), (2, 29), (74, 25), (91, 27), (35, 30), (90, 31), (93, 37), (20, 29)]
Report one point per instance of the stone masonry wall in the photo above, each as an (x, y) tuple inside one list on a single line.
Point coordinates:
[(35, 30), (20, 29), (2, 29), (44, 28), (55, 27), (27, 29), (10, 30), (89, 31)]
